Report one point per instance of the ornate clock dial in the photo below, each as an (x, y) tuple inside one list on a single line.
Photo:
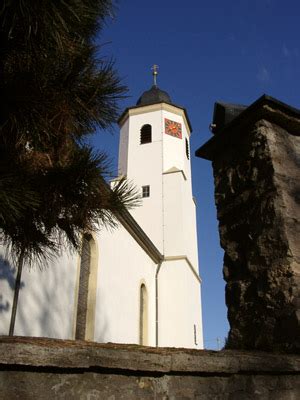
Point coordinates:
[(173, 128)]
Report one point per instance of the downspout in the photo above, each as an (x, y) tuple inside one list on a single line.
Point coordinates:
[(156, 303)]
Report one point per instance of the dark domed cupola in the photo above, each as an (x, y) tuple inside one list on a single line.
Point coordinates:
[(153, 96)]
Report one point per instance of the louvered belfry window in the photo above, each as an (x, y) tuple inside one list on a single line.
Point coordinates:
[(146, 134), (187, 150)]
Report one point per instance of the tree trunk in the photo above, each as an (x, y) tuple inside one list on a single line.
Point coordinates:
[(16, 295)]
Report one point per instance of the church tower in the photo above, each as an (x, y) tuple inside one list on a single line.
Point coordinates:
[(154, 154)]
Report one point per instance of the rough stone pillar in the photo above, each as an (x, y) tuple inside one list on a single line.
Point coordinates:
[(256, 164)]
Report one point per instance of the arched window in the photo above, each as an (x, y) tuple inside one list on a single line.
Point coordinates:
[(187, 151), (85, 314), (146, 134), (143, 315)]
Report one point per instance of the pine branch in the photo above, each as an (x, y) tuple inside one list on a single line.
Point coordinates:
[(55, 91)]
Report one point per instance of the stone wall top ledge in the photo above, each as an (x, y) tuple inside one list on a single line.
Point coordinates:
[(55, 353)]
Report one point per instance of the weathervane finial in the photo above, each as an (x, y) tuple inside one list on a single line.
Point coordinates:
[(155, 73)]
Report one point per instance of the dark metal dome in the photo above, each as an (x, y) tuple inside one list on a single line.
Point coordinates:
[(152, 96)]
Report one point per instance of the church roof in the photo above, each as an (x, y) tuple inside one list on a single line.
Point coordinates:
[(153, 96)]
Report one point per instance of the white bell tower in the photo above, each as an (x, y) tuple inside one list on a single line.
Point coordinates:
[(154, 154)]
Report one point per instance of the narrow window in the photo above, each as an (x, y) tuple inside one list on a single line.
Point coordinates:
[(85, 313), (187, 151), (146, 191), (146, 134), (143, 316)]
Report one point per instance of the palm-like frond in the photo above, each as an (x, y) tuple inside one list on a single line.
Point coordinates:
[(54, 92)]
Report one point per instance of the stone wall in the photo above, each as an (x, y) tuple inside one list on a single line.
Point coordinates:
[(256, 164), (259, 229), (34, 368)]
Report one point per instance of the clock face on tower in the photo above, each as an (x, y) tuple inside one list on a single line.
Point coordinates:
[(173, 128)]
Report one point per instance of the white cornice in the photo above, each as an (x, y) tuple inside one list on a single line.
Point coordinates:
[(185, 258), (155, 107), (175, 170)]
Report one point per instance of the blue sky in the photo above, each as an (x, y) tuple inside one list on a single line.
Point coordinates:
[(206, 51)]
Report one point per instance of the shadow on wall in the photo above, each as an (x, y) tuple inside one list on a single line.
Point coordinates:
[(46, 309), (7, 275), (41, 306), (46, 303)]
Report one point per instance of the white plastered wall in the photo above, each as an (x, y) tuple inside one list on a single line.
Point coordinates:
[(123, 267), (7, 284), (174, 154), (144, 164), (180, 232), (174, 214), (166, 167), (178, 311), (46, 299), (144, 167), (123, 149), (48, 296)]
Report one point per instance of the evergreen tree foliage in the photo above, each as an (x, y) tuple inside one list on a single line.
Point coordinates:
[(54, 92)]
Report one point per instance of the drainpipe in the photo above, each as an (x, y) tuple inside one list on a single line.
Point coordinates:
[(156, 303)]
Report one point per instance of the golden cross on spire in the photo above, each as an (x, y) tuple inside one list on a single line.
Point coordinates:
[(155, 73)]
